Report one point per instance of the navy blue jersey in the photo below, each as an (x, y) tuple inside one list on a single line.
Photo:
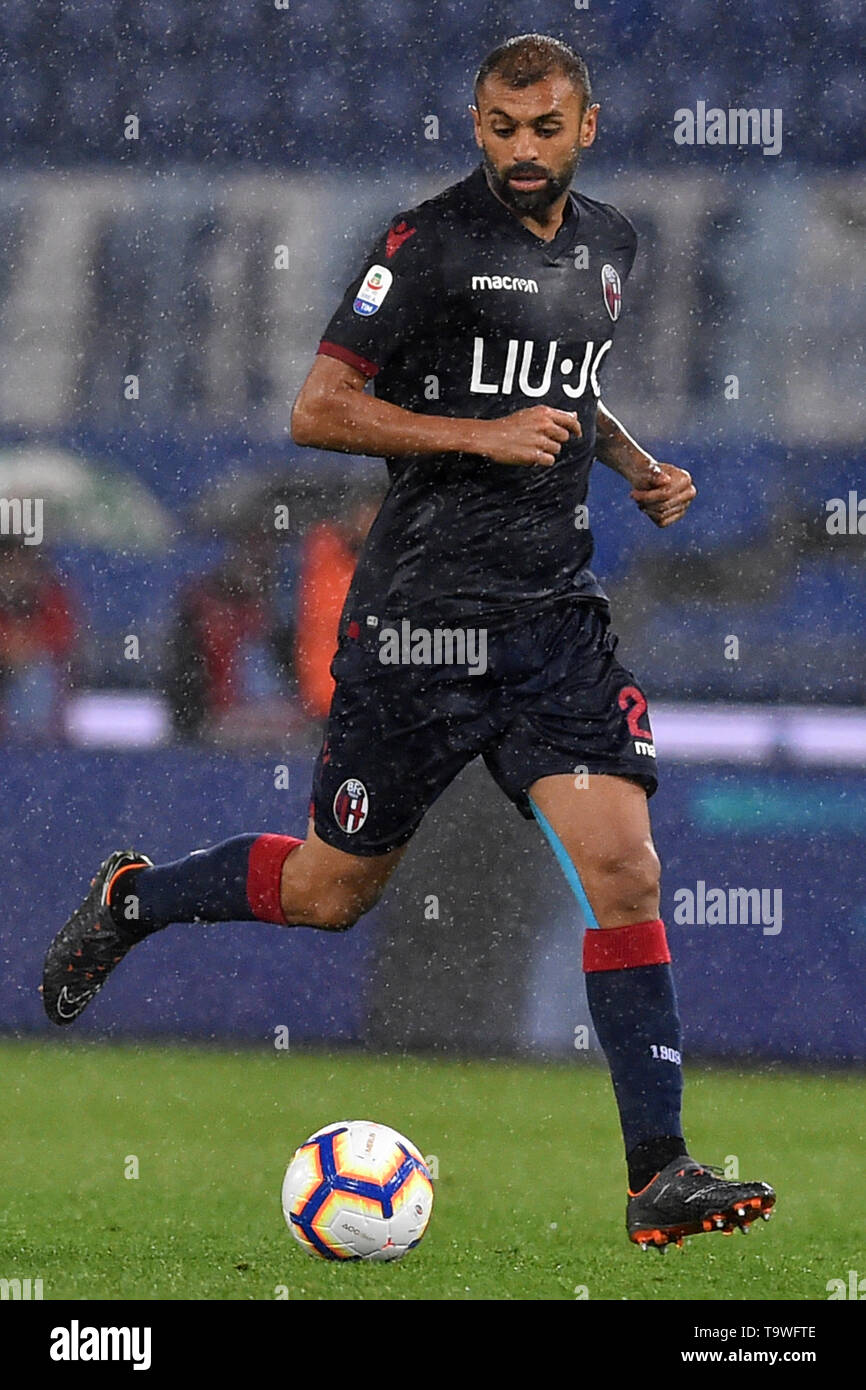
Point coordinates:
[(462, 311)]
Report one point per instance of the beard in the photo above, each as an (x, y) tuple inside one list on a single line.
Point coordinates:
[(537, 201)]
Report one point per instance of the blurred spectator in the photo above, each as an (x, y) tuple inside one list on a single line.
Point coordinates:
[(37, 632), (229, 648), (329, 554)]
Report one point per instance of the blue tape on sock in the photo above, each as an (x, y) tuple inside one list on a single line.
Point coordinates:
[(571, 874)]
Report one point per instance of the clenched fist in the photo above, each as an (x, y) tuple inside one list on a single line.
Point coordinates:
[(533, 436), (668, 496)]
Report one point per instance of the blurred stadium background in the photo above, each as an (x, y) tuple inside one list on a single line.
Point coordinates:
[(185, 191)]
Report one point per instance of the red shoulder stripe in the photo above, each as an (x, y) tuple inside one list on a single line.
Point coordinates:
[(343, 354)]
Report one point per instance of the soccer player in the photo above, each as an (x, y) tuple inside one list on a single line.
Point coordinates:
[(473, 625)]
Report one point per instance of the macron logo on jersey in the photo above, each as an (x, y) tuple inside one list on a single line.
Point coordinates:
[(504, 282), (395, 238)]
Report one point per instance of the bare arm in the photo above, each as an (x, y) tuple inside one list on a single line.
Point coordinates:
[(615, 448), (661, 490), (333, 411)]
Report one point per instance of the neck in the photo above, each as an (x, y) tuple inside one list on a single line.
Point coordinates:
[(543, 225)]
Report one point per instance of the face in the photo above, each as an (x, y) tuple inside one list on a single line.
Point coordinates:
[(531, 140)]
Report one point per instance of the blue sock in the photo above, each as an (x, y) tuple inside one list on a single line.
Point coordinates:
[(236, 881), (633, 1004)]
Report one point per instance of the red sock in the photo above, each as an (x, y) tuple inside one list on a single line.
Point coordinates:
[(626, 948), (267, 857)]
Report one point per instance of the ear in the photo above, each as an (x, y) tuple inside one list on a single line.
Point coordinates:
[(476, 122), (589, 125)]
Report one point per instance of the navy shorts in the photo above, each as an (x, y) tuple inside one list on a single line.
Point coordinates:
[(551, 699)]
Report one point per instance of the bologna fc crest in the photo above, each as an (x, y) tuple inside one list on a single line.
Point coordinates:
[(351, 806), (610, 284)]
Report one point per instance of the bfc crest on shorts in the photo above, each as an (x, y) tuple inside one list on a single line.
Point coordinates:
[(351, 805), (612, 287)]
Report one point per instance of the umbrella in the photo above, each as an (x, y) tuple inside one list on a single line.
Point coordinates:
[(83, 501)]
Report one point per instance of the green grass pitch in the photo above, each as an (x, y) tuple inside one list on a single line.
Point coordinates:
[(529, 1198)]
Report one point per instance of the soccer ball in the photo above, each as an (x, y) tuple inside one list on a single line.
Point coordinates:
[(357, 1191)]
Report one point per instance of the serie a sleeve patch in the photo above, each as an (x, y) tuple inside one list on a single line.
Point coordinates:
[(371, 293)]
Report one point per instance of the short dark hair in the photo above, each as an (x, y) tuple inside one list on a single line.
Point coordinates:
[(529, 58)]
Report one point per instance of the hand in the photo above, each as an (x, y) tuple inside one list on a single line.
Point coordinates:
[(533, 436), (668, 496)]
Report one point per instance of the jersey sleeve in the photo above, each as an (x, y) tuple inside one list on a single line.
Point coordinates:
[(387, 303), (623, 237), (629, 236)]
